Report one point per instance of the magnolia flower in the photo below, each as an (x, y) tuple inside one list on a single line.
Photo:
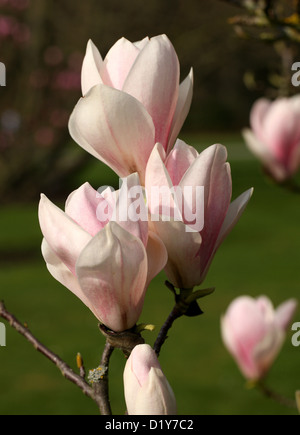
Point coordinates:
[(253, 332), (132, 100), (191, 248), (105, 260), (147, 391), (275, 135)]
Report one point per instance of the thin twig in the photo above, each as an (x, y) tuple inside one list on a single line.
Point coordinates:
[(101, 387), (163, 333), (66, 371), (289, 403)]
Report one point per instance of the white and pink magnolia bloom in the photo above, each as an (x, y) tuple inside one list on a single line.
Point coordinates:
[(190, 251), (254, 332), (146, 389), (131, 100), (274, 137), (106, 262)]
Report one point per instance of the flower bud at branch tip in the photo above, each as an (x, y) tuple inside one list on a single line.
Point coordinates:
[(146, 389)]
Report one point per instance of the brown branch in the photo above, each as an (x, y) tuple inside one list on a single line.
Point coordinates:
[(101, 386), (66, 371), (289, 403), (163, 334)]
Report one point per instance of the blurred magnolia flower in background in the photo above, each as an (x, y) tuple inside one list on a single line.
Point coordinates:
[(274, 136), (146, 389), (254, 332), (107, 263)]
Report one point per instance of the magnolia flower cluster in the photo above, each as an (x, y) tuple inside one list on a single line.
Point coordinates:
[(131, 112)]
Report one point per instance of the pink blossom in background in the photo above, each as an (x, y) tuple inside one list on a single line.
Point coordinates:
[(274, 137), (254, 332)]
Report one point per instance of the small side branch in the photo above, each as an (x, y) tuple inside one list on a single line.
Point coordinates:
[(66, 371), (289, 403), (163, 334), (101, 387)]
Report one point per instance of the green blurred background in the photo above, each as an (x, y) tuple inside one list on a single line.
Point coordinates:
[(42, 45)]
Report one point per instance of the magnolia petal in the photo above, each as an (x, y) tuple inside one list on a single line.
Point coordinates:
[(260, 150), (99, 124), (180, 160), (159, 187), (266, 350), (183, 267), (142, 43), (65, 237), (285, 312), (155, 398), (131, 211), (235, 211), (257, 116), (211, 171), (146, 389), (142, 359), (61, 273), (281, 129), (112, 272), (154, 81), (182, 109), (157, 256), (83, 205), (243, 327), (91, 66), (118, 62)]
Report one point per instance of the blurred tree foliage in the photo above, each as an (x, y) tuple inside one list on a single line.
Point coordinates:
[(42, 44)]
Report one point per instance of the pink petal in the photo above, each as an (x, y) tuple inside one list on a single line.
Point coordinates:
[(100, 125), (235, 210), (66, 238), (159, 188), (154, 81), (262, 152), (183, 268), (142, 43), (146, 389), (179, 161), (157, 256), (118, 62), (82, 207), (62, 274), (131, 211), (257, 117), (143, 358), (112, 272), (282, 130), (243, 327), (285, 312), (211, 171), (91, 66), (182, 108)]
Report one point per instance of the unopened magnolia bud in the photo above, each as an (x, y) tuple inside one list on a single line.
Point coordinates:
[(147, 391)]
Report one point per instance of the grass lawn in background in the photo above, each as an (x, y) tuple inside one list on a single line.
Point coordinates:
[(260, 256)]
